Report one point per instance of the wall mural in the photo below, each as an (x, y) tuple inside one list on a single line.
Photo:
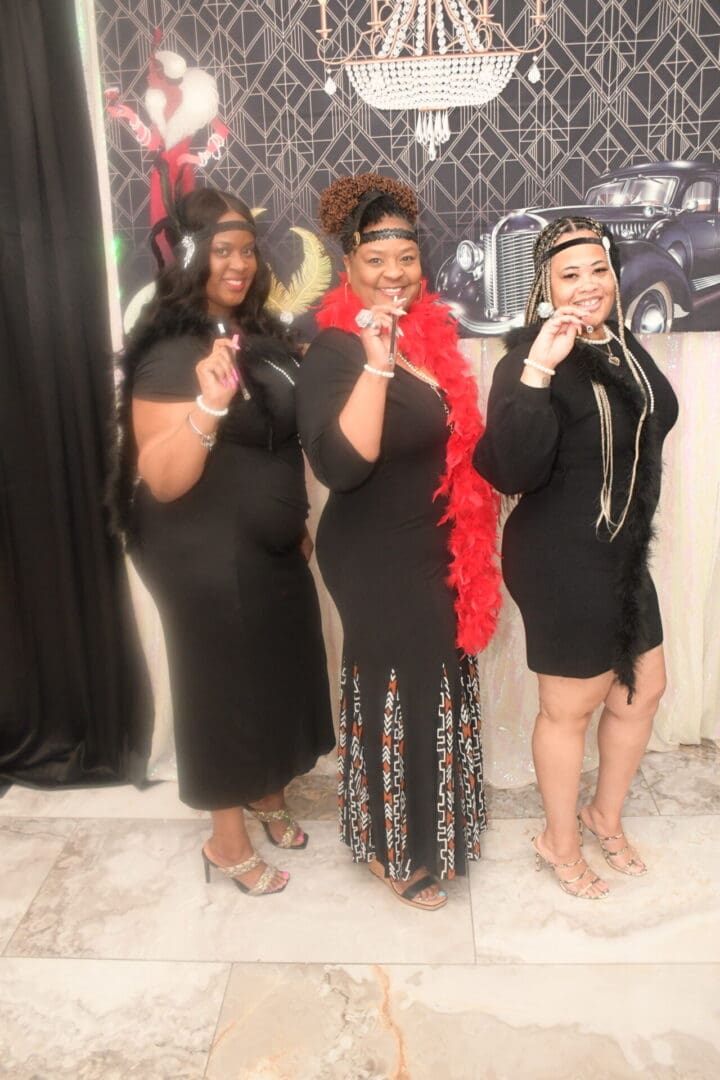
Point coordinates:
[(623, 123)]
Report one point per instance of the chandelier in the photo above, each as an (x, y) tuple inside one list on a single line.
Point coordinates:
[(430, 55)]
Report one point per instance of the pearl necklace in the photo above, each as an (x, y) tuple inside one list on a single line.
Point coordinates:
[(606, 438)]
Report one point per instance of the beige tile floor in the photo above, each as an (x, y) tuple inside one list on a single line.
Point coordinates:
[(117, 961)]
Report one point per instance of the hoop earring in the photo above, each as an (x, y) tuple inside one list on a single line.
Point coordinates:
[(421, 294), (346, 289)]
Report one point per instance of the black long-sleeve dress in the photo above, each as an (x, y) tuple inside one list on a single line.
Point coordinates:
[(236, 598), (410, 762), (588, 605)]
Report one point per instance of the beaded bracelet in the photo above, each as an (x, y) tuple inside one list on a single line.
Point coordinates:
[(208, 440), (540, 367), (377, 371), (206, 408)]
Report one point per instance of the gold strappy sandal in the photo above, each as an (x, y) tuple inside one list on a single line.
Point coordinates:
[(291, 833), (634, 867), (581, 892), (261, 887)]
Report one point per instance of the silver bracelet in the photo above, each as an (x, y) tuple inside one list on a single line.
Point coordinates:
[(208, 441), (206, 408), (377, 371), (540, 367)]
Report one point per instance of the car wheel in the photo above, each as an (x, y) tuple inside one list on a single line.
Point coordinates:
[(651, 312)]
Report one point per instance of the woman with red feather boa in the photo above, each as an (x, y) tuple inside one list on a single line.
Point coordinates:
[(388, 416)]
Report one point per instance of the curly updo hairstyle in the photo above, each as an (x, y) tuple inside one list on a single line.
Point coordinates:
[(354, 203)]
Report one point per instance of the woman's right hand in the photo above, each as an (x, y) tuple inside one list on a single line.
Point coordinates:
[(217, 375), (376, 338), (557, 336)]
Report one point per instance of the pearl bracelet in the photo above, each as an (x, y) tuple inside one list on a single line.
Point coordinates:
[(206, 408), (208, 441), (377, 371), (540, 367)]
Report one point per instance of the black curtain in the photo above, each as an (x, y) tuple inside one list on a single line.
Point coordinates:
[(74, 701)]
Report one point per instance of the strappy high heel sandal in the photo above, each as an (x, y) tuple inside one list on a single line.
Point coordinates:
[(634, 867), (292, 831), (260, 888), (566, 884), (410, 895)]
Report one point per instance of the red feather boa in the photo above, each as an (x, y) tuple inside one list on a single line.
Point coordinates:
[(430, 341)]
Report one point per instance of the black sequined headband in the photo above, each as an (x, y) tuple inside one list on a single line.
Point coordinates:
[(383, 234), (602, 240)]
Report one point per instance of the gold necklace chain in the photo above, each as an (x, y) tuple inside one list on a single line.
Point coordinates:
[(427, 379)]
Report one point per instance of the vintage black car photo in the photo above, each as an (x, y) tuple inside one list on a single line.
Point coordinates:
[(665, 218)]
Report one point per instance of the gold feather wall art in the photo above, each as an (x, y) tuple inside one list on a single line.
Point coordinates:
[(307, 284)]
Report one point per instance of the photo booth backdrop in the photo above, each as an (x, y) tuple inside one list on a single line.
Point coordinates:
[(623, 82)]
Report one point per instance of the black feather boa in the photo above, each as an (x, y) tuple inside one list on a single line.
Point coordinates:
[(638, 527)]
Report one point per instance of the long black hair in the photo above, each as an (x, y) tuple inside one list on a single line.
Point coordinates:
[(179, 306)]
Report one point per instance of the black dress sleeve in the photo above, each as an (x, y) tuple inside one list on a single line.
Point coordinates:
[(517, 452), (329, 371), (167, 370)]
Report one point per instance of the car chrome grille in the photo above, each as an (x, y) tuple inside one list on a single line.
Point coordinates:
[(628, 230), (508, 286)]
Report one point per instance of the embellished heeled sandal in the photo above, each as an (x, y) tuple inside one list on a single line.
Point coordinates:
[(634, 867), (291, 833), (572, 886), (262, 887), (410, 895)]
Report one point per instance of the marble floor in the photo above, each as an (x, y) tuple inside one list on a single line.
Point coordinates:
[(118, 961)]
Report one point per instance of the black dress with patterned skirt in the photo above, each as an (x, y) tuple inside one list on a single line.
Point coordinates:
[(410, 760), (236, 598)]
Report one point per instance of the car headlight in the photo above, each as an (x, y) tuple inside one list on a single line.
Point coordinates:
[(469, 256)]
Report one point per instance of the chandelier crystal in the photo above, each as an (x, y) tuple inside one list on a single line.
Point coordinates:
[(432, 56)]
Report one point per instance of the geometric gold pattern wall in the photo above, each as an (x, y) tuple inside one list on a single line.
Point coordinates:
[(624, 81)]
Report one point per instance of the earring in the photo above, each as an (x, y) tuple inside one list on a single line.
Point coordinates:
[(545, 309), (421, 294), (346, 289)]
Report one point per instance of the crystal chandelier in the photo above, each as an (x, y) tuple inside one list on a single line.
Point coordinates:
[(430, 55)]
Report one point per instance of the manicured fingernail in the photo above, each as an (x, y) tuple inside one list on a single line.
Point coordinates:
[(442, 893), (236, 341)]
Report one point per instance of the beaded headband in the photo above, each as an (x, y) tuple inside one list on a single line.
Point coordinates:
[(602, 240), (383, 234), (188, 241)]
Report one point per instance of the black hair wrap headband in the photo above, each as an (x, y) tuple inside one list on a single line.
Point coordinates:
[(188, 240), (602, 240), (358, 238)]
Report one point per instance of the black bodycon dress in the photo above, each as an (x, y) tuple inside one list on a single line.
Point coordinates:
[(588, 604), (410, 762), (236, 598)]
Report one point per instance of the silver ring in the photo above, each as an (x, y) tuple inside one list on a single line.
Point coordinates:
[(364, 318)]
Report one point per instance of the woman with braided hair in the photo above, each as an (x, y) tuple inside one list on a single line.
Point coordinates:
[(212, 499), (387, 412), (577, 415)]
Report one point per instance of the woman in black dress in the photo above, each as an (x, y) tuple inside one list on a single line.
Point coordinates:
[(216, 526), (577, 415), (406, 545)]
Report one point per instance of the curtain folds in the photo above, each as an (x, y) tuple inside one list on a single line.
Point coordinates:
[(73, 697)]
